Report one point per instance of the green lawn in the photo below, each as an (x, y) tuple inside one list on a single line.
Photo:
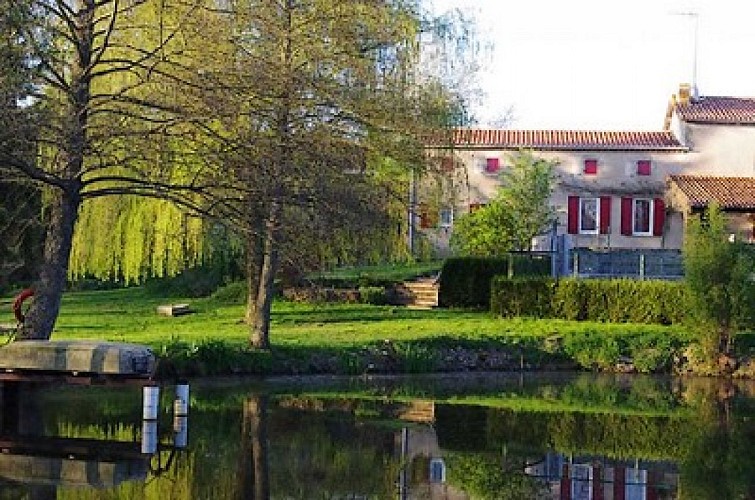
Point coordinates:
[(129, 315)]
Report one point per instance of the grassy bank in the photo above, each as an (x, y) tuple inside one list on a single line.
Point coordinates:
[(355, 338)]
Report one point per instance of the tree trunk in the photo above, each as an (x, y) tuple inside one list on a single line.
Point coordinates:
[(266, 286), (64, 207), (253, 266), (48, 292), (254, 478)]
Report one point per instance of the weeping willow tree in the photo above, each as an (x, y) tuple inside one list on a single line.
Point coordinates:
[(131, 238), (105, 80)]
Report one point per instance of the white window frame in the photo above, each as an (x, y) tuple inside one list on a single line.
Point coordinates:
[(437, 471), (651, 216), (597, 216), (446, 221)]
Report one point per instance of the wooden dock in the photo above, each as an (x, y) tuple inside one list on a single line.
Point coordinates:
[(76, 362)]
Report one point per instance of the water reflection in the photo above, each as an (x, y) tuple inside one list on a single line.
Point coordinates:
[(37, 462), (582, 437)]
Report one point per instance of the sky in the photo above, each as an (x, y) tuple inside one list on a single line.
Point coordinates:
[(605, 64)]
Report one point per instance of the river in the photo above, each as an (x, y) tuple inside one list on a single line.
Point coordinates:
[(495, 436)]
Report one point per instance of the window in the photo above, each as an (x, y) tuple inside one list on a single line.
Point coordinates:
[(437, 471), (642, 216), (588, 215), (447, 164), (642, 210), (492, 165), (643, 167), (591, 167), (446, 216)]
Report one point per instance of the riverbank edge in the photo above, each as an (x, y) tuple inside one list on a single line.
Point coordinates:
[(389, 358)]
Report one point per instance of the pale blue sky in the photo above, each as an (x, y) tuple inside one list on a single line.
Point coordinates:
[(607, 64)]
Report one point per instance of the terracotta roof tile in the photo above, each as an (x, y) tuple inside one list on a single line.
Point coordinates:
[(731, 193), (723, 110), (567, 140)]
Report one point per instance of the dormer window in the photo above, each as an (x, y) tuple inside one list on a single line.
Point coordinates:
[(492, 165), (590, 167), (643, 167)]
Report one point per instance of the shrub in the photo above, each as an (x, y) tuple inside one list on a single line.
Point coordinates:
[(232, 293), (522, 297), (593, 350), (374, 295), (720, 277), (611, 301), (466, 281), (569, 300)]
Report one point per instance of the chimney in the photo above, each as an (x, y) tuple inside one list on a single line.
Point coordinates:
[(685, 91)]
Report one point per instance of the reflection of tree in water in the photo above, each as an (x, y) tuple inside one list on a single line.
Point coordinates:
[(330, 455), (254, 475), (494, 476), (720, 457)]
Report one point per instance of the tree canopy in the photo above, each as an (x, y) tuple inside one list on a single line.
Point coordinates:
[(281, 120), (520, 211)]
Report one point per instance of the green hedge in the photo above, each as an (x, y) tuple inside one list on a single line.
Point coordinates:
[(613, 301), (465, 281), (522, 297)]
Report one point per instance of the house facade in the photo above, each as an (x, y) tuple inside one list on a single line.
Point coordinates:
[(613, 188)]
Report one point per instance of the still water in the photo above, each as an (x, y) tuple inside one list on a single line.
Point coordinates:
[(518, 436)]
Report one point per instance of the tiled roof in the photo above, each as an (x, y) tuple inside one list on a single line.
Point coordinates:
[(723, 110), (566, 140), (731, 193)]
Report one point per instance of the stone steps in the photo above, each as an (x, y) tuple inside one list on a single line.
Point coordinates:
[(421, 293)]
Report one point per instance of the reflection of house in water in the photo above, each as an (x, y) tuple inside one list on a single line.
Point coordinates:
[(423, 473), (591, 478)]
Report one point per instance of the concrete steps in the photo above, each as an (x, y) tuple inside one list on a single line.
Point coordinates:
[(421, 293)]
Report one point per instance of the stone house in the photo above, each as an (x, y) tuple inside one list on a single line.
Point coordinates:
[(614, 189)]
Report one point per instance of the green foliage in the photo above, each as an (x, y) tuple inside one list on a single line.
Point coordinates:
[(614, 301), (209, 357), (593, 350), (486, 477), (381, 273), (720, 278), (522, 297), (232, 293), (465, 281), (519, 212), (620, 300), (374, 295)]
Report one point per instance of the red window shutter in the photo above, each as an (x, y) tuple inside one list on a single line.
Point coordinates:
[(492, 165), (424, 217), (659, 216), (626, 216), (447, 164), (473, 207), (572, 225), (643, 167), (591, 167), (605, 214)]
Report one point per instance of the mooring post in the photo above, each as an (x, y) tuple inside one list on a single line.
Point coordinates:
[(180, 431), (151, 402), (150, 411), (181, 404), (149, 437)]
